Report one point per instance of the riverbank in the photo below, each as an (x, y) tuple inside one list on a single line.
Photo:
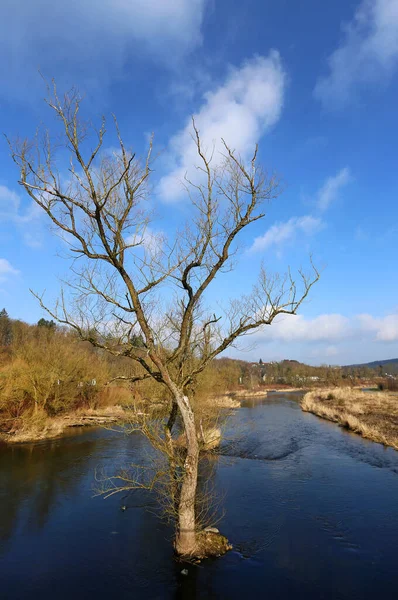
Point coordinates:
[(372, 415), (40, 426), (233, 398), (44, 428)]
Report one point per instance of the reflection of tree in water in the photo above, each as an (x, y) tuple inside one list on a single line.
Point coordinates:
[(209, 505), (46, 489), (187, 585), (37, 477)]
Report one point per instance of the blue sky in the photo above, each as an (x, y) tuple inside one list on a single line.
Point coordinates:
[(314, 82)]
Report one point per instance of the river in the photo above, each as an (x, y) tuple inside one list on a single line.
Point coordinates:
[(312, 512)]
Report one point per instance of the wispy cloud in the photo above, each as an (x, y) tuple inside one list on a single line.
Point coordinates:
[(33, 240), (6, 269), (286, 232), (88, 34), (367, 54), (241, 110), (11, 210), (152, 241), (26, 220), (330, 190)]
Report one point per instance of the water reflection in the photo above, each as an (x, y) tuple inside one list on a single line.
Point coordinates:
[(310, 509), (33, 476)]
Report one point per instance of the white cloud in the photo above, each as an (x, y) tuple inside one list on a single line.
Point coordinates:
[(296, 328), (330, 190), (331, 329), (368, 53), (79, 35), (282, 233), (385, 328), (327, 337), (6, 269), (241, 110)]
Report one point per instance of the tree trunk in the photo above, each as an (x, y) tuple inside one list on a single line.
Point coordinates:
[(171, 450), (186, 532)]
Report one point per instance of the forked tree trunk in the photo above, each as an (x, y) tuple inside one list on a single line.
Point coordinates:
[(186, 543)]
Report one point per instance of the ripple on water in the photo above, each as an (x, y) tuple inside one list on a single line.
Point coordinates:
[(310, 509)]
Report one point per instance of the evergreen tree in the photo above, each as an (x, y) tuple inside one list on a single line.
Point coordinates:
[(5, 328), (46, 323)]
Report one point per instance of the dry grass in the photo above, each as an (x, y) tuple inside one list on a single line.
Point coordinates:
[(222, 401), (211, 544), (35, 427), (372, 415), (250, 393), (211, 438), (40, 426), (208, 439)]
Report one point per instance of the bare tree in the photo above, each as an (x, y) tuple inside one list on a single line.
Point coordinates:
[(131, 285)]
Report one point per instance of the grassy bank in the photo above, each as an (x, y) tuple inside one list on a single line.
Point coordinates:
[(42, 427), (372, 415)]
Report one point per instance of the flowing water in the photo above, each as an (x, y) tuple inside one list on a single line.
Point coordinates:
[(311, 510)]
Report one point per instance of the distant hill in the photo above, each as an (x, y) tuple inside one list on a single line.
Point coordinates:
[(389, 366)]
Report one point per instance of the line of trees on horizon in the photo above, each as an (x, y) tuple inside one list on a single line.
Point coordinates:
[(46, 369)]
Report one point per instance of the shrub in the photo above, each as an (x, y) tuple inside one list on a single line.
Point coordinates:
[(48, 372)]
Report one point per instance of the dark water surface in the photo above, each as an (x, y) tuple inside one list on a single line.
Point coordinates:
[(312, 512)]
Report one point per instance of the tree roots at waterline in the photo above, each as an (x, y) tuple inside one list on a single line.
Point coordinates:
[(209, 544)]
